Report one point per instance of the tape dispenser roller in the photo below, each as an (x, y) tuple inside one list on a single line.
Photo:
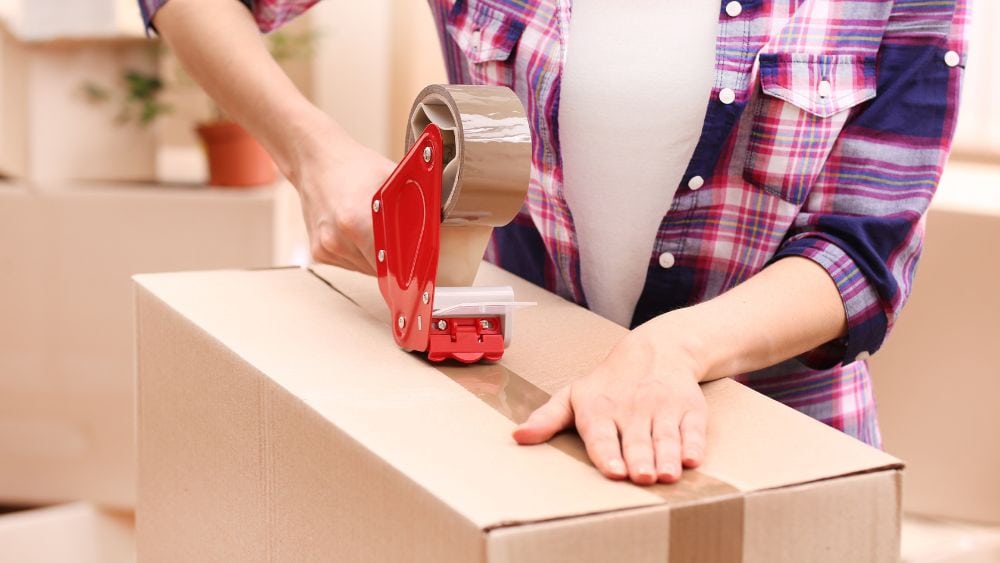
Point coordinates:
[(465, 171)]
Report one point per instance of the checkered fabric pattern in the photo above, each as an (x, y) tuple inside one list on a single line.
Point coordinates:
[(825, 136)]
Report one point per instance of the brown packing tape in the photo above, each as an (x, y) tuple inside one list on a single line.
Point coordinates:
[(706, 514), (487, 164)]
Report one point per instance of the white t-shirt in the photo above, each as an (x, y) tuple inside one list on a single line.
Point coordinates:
[(634, 91)]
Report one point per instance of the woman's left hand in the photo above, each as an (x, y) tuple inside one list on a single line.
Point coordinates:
[(641, 412)]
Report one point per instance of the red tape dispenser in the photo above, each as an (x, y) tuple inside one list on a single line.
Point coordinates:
[(465, 171)]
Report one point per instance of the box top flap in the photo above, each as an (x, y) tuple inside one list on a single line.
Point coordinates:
[(343, 363), (321, 347), (755, 443)]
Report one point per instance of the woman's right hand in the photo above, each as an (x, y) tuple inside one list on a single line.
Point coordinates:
[(336, 178), (219, 44)]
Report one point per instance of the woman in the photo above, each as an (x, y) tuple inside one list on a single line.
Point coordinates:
[(741, 182)]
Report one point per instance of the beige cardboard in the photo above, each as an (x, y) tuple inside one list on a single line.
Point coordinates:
[(933, 540), (94, 147), (70, 533), (66, 346), (937, 379), (46, 20), (42, 90), (782, 523), (279, 421), (633, 535)]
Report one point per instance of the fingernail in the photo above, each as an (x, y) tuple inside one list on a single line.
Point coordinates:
[(617, 466), (669, 469), (646, 472)]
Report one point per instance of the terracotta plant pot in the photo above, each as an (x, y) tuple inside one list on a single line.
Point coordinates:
[(235, 159)]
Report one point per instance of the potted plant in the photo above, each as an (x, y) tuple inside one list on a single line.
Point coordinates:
[(235, 158)]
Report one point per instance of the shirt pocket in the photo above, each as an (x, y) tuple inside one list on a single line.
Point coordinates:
[(488, 39), (801, 111)]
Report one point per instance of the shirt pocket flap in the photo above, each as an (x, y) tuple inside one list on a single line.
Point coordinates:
[(484, 33), (823, 85)]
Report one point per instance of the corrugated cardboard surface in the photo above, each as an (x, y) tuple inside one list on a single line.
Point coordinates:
[(937, 379), (66, 345), (71, 533), (278, 421)]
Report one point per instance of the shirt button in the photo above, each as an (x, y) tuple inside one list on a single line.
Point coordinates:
[(477, 40), (666, 260), (696, 182), (734, 9), (952, 58), (825, 89), (727, 96)]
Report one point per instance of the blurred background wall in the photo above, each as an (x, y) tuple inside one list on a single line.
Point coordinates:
[(102, 176)]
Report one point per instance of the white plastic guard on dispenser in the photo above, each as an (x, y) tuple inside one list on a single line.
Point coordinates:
[(477, 301)]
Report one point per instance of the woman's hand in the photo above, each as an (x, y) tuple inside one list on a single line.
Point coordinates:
[(218, 42), (336, 178), (641, 412)]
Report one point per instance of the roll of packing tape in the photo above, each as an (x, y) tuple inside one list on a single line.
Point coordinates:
[(487, 164)]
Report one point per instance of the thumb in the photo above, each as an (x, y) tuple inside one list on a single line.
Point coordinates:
[(555, 415)]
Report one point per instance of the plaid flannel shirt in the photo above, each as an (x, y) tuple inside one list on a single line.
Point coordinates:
[(825, 136)]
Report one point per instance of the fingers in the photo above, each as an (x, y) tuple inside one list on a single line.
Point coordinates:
[(552, 417), (600, 434), (637, 447), (693, 432), (329, 247), (667, 445)]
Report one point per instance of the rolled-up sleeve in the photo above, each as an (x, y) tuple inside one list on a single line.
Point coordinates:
[(269, 14), (864, 219)]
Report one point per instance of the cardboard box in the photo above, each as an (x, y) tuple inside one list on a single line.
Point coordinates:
[(66, 345), (937, 379), (71, 533), (51, 131), (44, 20), (933, 540), (279, 421)]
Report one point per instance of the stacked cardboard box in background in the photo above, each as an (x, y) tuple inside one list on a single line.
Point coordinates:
[(66, 361), (79, 214), (937, 380), (51, 131), (45, 20), (70, 533)]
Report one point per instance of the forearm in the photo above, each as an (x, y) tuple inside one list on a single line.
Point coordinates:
[(787, 309), (218, 43)]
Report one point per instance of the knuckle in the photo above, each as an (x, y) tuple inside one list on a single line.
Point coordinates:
[(343, 223), (328, 239), (587, 425), (602, 402), (666, 433), (350, 224)]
